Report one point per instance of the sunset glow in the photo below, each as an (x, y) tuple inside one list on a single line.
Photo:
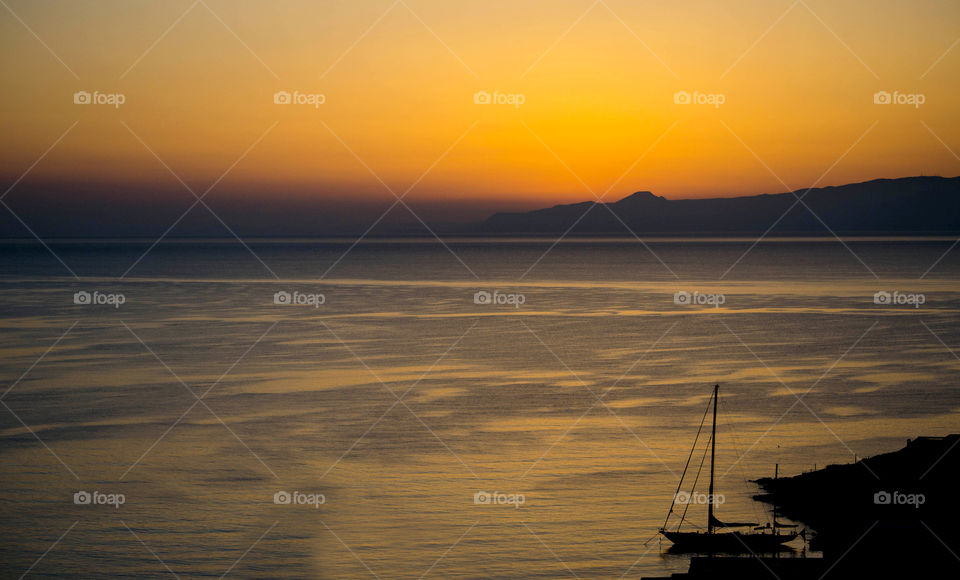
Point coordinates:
[(598, 82)]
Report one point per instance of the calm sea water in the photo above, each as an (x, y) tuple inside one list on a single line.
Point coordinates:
[(575, 396)]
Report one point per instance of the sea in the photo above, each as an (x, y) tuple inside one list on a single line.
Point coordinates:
[(455, 408)]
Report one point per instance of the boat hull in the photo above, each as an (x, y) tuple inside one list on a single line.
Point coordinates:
[(731, 542)]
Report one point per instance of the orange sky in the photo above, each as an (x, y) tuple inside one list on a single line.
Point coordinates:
[(598, 81)]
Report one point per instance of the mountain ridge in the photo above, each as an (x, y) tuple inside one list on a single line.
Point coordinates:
[(915, 205)]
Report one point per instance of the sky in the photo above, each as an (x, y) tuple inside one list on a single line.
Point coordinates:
[(589, 101)]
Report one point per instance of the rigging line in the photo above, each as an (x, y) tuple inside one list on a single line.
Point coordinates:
[(758, 512), (682, 475), (694, 488)]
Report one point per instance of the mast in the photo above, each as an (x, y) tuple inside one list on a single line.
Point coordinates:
[(713, 452), (776, 475)]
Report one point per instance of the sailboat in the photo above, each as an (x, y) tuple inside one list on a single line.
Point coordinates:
[(724, 536)]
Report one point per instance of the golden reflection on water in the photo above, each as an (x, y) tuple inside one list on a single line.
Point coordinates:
[(512, 408)]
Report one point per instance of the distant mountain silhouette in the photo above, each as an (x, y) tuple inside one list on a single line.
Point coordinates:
[(910, 205)]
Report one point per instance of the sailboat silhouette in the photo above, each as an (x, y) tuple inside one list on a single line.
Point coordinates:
[(718, 537)]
